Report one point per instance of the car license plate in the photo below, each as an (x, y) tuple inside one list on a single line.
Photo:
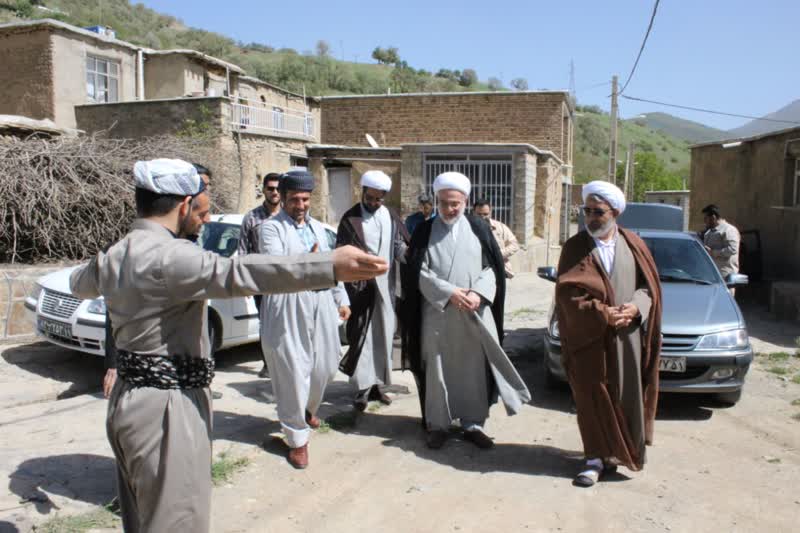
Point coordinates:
[(672, 364), (52, 327)]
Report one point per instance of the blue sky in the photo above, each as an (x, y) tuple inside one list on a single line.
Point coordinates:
[(729, 55)]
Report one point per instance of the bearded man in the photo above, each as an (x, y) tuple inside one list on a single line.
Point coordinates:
[(371, 226), (454, 290), (608, 303)]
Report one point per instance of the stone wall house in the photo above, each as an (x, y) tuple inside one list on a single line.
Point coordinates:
[(756, 183), (95, 82), (49, 67)]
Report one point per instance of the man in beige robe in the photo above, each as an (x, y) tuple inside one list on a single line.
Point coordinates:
[(155, 284)]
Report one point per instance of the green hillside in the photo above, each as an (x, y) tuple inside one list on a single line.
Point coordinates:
[(687, 130), (591, 145)]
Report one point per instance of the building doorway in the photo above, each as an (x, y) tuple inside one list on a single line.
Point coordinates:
[(341, 192)]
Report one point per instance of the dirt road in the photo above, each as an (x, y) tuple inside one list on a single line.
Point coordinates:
[(711, 469)]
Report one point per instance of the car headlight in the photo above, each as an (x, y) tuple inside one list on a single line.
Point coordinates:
[(726, 340), (97, 307), (36, 292), (553, 329)]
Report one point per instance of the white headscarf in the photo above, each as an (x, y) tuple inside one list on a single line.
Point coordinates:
[(607, 191), (167, 176), (376, 179), (452, 180)]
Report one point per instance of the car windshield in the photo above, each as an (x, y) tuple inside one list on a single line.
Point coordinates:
[(219, 237), (682, 260)]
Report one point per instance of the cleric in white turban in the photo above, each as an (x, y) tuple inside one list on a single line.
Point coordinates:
[(454, 289), (452, 181), (376, 179), (608, 300), (377, 229), (608, 192)]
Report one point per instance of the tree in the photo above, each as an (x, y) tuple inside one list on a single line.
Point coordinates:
[(388, 56), (650, 174), (323, 48), (495, 84), (520, 84), (468, 77)]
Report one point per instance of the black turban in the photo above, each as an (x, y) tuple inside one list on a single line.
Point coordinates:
[(297, 180)]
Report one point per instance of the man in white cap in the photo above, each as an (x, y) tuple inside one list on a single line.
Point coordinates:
[(300, 330), (608, 304), (156, 283), (374, 228), (454, 289)]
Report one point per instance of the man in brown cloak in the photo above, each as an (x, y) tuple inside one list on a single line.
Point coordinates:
[(608, 303)]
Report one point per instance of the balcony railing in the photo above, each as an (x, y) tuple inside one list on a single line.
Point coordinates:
[(272, 121)]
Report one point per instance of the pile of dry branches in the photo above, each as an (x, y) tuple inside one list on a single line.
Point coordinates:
[(67, 198)]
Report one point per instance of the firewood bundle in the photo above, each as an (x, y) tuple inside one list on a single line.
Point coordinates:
[(66, 198)]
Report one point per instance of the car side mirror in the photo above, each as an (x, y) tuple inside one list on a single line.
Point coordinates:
[(549, 273), (736, 280)]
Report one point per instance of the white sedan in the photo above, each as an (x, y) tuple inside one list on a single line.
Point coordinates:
[(65, 320)]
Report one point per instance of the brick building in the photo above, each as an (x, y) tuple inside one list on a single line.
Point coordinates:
[(756, 183), (516, 147)]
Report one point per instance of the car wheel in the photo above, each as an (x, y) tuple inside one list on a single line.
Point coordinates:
[(729, 398), (214, 333)]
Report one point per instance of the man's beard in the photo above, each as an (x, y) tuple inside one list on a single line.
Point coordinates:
[(368, 208), (272, 203), (184, 229), (603, 230), (452, 220)]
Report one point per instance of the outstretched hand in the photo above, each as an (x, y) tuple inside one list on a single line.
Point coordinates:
[(352, 264)]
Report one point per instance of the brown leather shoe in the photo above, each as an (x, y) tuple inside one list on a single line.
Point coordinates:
[(479, 439), (376, 395), (436, 439), (312, 421), (298, 457)]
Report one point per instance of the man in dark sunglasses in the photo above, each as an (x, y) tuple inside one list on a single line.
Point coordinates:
[(608, 304), (250, 233)]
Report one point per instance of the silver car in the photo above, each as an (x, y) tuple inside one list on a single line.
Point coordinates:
[(705, 346)]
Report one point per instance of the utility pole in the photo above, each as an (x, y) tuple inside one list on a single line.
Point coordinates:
[(612, 145), (631, 194), (630, 162)]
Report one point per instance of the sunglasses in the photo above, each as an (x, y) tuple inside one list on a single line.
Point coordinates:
[(271, 189), (596, 211)]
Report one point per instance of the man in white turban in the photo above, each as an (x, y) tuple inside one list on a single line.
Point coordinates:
[(608, 305), (454, 291), (376, 229)]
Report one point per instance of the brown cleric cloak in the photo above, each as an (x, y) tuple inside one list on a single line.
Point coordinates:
[(363, 294), (583, 298)]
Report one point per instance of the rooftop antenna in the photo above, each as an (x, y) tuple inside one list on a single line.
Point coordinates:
[(371, 141)]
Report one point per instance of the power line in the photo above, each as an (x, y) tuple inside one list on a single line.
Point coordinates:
[(594, 86), (641, 49), (702, 110)]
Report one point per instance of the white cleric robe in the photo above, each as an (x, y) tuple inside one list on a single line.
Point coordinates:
[(456, 344), (375, 364), (299, 332)]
